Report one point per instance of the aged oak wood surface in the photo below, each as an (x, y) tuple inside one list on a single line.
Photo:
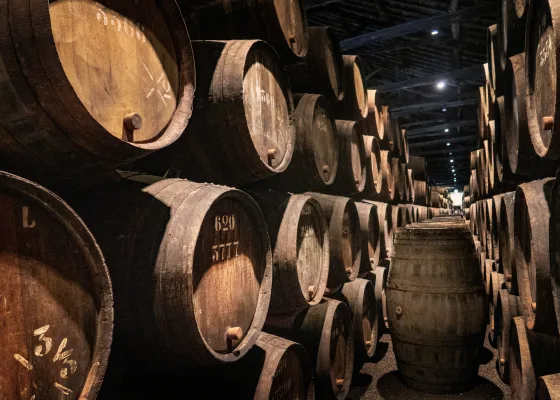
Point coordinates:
[(74, 72), (299, 237), (56, 304), (191, 267)]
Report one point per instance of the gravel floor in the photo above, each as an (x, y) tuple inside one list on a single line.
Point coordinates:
[(380, 380)]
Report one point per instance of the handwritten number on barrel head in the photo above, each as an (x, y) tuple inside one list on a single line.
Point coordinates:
[(39, 350), (64, 356)]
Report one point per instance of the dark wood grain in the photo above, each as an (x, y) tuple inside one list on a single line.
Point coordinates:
[(56, 302), (322, 70), (345, 238), (436, 313), (326, 332), (315, 160), (64, 105), (299, 237), (283, 24)]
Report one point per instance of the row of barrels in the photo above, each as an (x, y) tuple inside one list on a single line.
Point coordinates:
[(176, 274), (516, 115), (516, 235), (244, 87)]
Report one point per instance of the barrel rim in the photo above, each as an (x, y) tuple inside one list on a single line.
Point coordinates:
[(207, 200), (177, 123)]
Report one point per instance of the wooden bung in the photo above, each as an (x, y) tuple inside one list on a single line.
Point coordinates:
[(345, 239), (315, 159), (299, 236), (167, 243), (325, 330), (243, 129), (76, 99)]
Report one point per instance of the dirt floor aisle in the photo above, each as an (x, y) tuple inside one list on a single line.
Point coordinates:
[(380, 381)]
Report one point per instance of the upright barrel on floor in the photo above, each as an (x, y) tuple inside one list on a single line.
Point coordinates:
[(56, 302), (436, 306)]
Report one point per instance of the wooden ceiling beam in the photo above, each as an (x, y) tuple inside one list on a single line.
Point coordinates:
[(455, 151), (448, 125), (311, 4), (465, 73), (422, 107), (414, 26)]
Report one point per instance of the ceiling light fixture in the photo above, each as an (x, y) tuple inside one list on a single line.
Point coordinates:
[(440, 85), (434, 31)]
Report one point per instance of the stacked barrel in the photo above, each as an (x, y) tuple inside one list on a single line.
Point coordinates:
[(513, 196), (275, 282)]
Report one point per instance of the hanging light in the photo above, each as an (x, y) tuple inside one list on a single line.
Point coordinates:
[(440, 85), (435, 31), (446, 130)]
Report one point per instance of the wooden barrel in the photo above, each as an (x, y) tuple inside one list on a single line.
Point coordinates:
[(418, 165), (243, 128), (314, 162), (360, 298), (404, 154), (521, 8), (58, 121), (321, 71), (325, 330), (531, 355), (388, 183), (283, 25), (436, 313), (283, 371), (493, 57), (532, 259), (496, 284), (380, 280), (489, 224), (399, 218), (275, 368), (473, 220), (422, 214), (374, 118), (389, 143), (385, 225), (345, 237), (299, 237), (175, 250), (541, 71), (495, 227), (473, 159), (397, 180), (420, 189), (355, 103), (369, 225), (56, 302), (506, 241), (374, 179), (481, 111), (507, 307), (521, 155), (511, 31), (548, 387), (351, 174), (554, 243)]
